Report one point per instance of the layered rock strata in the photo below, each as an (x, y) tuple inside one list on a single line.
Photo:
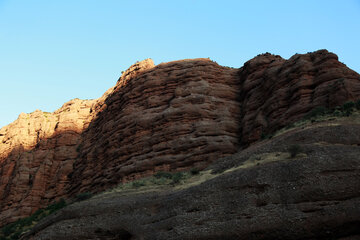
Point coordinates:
[(37, 154), (171, 117), (314, 195), (275, 92)]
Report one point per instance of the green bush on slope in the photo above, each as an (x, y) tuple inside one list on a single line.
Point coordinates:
[(15, 229)]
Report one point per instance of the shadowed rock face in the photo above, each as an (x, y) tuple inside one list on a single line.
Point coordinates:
[(275, 92), (169, 117), (172, 116), (312, 196)]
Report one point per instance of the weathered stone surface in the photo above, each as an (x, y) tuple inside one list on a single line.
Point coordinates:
[(191, 112), (169, 117), (313, 196), (172, 116), (37, 152), (276, 92)]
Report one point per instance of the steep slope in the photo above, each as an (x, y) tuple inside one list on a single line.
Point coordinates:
[(172, 117), (259, 193), (169, 117)]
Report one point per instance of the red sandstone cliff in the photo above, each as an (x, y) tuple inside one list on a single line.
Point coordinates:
[(37, 153), (275, 92), (167, 117)]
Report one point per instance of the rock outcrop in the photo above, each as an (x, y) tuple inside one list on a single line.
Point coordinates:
[(312, 196), (276, 92), (171, 117), (37, 154), (192, 112)]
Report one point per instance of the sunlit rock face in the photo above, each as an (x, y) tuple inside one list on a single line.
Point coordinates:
[(37, 152), (173, 116)]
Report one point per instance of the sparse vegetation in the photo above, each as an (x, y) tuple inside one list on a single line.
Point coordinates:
[(83, 196), (345, 110), (357, 104), (263, 136), (175, 177), (266, 136), (15, 229), (294, 150), (348, 108), (194, 171), (320, 114), (159, 181), (138, 183), (318, 111), (163, 175)]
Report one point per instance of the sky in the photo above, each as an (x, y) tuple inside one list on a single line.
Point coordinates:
[(54, 51)]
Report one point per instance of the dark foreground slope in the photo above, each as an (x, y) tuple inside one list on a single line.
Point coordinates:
[(259, 193)]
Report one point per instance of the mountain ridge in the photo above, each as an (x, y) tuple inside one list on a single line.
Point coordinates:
[(168, 117)]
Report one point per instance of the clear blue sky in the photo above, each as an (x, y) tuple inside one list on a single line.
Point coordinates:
[(53, 51)]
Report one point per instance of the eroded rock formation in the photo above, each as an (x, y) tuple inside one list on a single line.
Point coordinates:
[(169, 117), (172, 116), (37, 154), (312, 196), (276, 92)]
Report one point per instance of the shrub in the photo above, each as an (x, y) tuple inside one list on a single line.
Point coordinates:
[(16, 235), (177, 177), (14, 230), (194, 171), (357, 104), (158, 181), (266, 136), (137, 184), (337, 113), (348, 112), (83, 196), (163, 175), (294, 150), (55, 206), (348, 106), (318, 111), (8, 229), (263, 136)]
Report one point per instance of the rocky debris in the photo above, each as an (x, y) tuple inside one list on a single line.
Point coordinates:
[(312, 196), (172, 117)]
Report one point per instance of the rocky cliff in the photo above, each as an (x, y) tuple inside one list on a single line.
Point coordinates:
[(172, 117), (168, 117), (37, 154), (259, 193), (275, 92)]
